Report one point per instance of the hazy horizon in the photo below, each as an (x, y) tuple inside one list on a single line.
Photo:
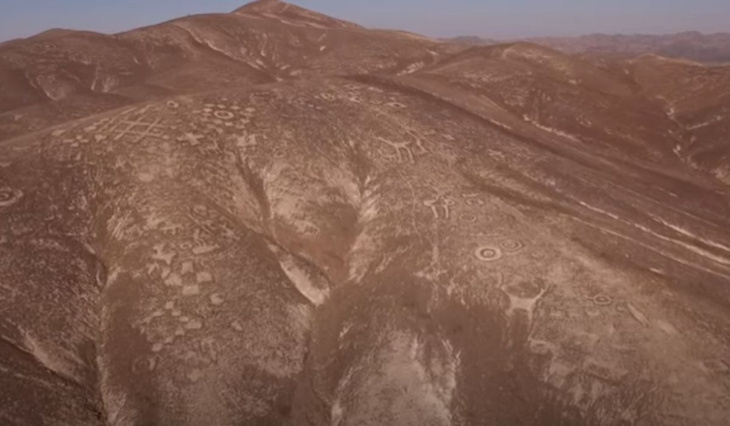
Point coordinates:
[(500, 19)]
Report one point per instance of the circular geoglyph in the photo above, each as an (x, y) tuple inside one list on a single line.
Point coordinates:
[(224, 115), (9, 196), (602, 300), (488, 253), (512, 246)]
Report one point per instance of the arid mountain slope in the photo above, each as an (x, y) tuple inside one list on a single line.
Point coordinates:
[(652, 108), (710, 48), (257, 44), (396, 234), (339, 252), (564, 95), (707, 48), (697, 98)]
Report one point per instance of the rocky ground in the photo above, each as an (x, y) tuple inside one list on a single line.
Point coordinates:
[(400, 233)]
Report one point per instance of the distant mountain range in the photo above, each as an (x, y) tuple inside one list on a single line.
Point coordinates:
[(691, 45)]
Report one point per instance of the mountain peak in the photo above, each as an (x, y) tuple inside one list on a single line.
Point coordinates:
[(292, 14), (258, 4)]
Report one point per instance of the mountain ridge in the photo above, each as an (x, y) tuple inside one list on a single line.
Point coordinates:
[(693, 45)]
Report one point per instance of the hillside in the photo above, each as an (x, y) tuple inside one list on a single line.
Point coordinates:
[(707, 48), (46, 80), (274, 217)]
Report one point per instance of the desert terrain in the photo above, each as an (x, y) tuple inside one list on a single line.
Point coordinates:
[(275, 217)]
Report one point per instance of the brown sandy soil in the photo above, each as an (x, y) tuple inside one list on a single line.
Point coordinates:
[(274, 217)]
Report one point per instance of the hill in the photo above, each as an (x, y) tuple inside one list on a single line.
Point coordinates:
[(273, 217), (707, 48)]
